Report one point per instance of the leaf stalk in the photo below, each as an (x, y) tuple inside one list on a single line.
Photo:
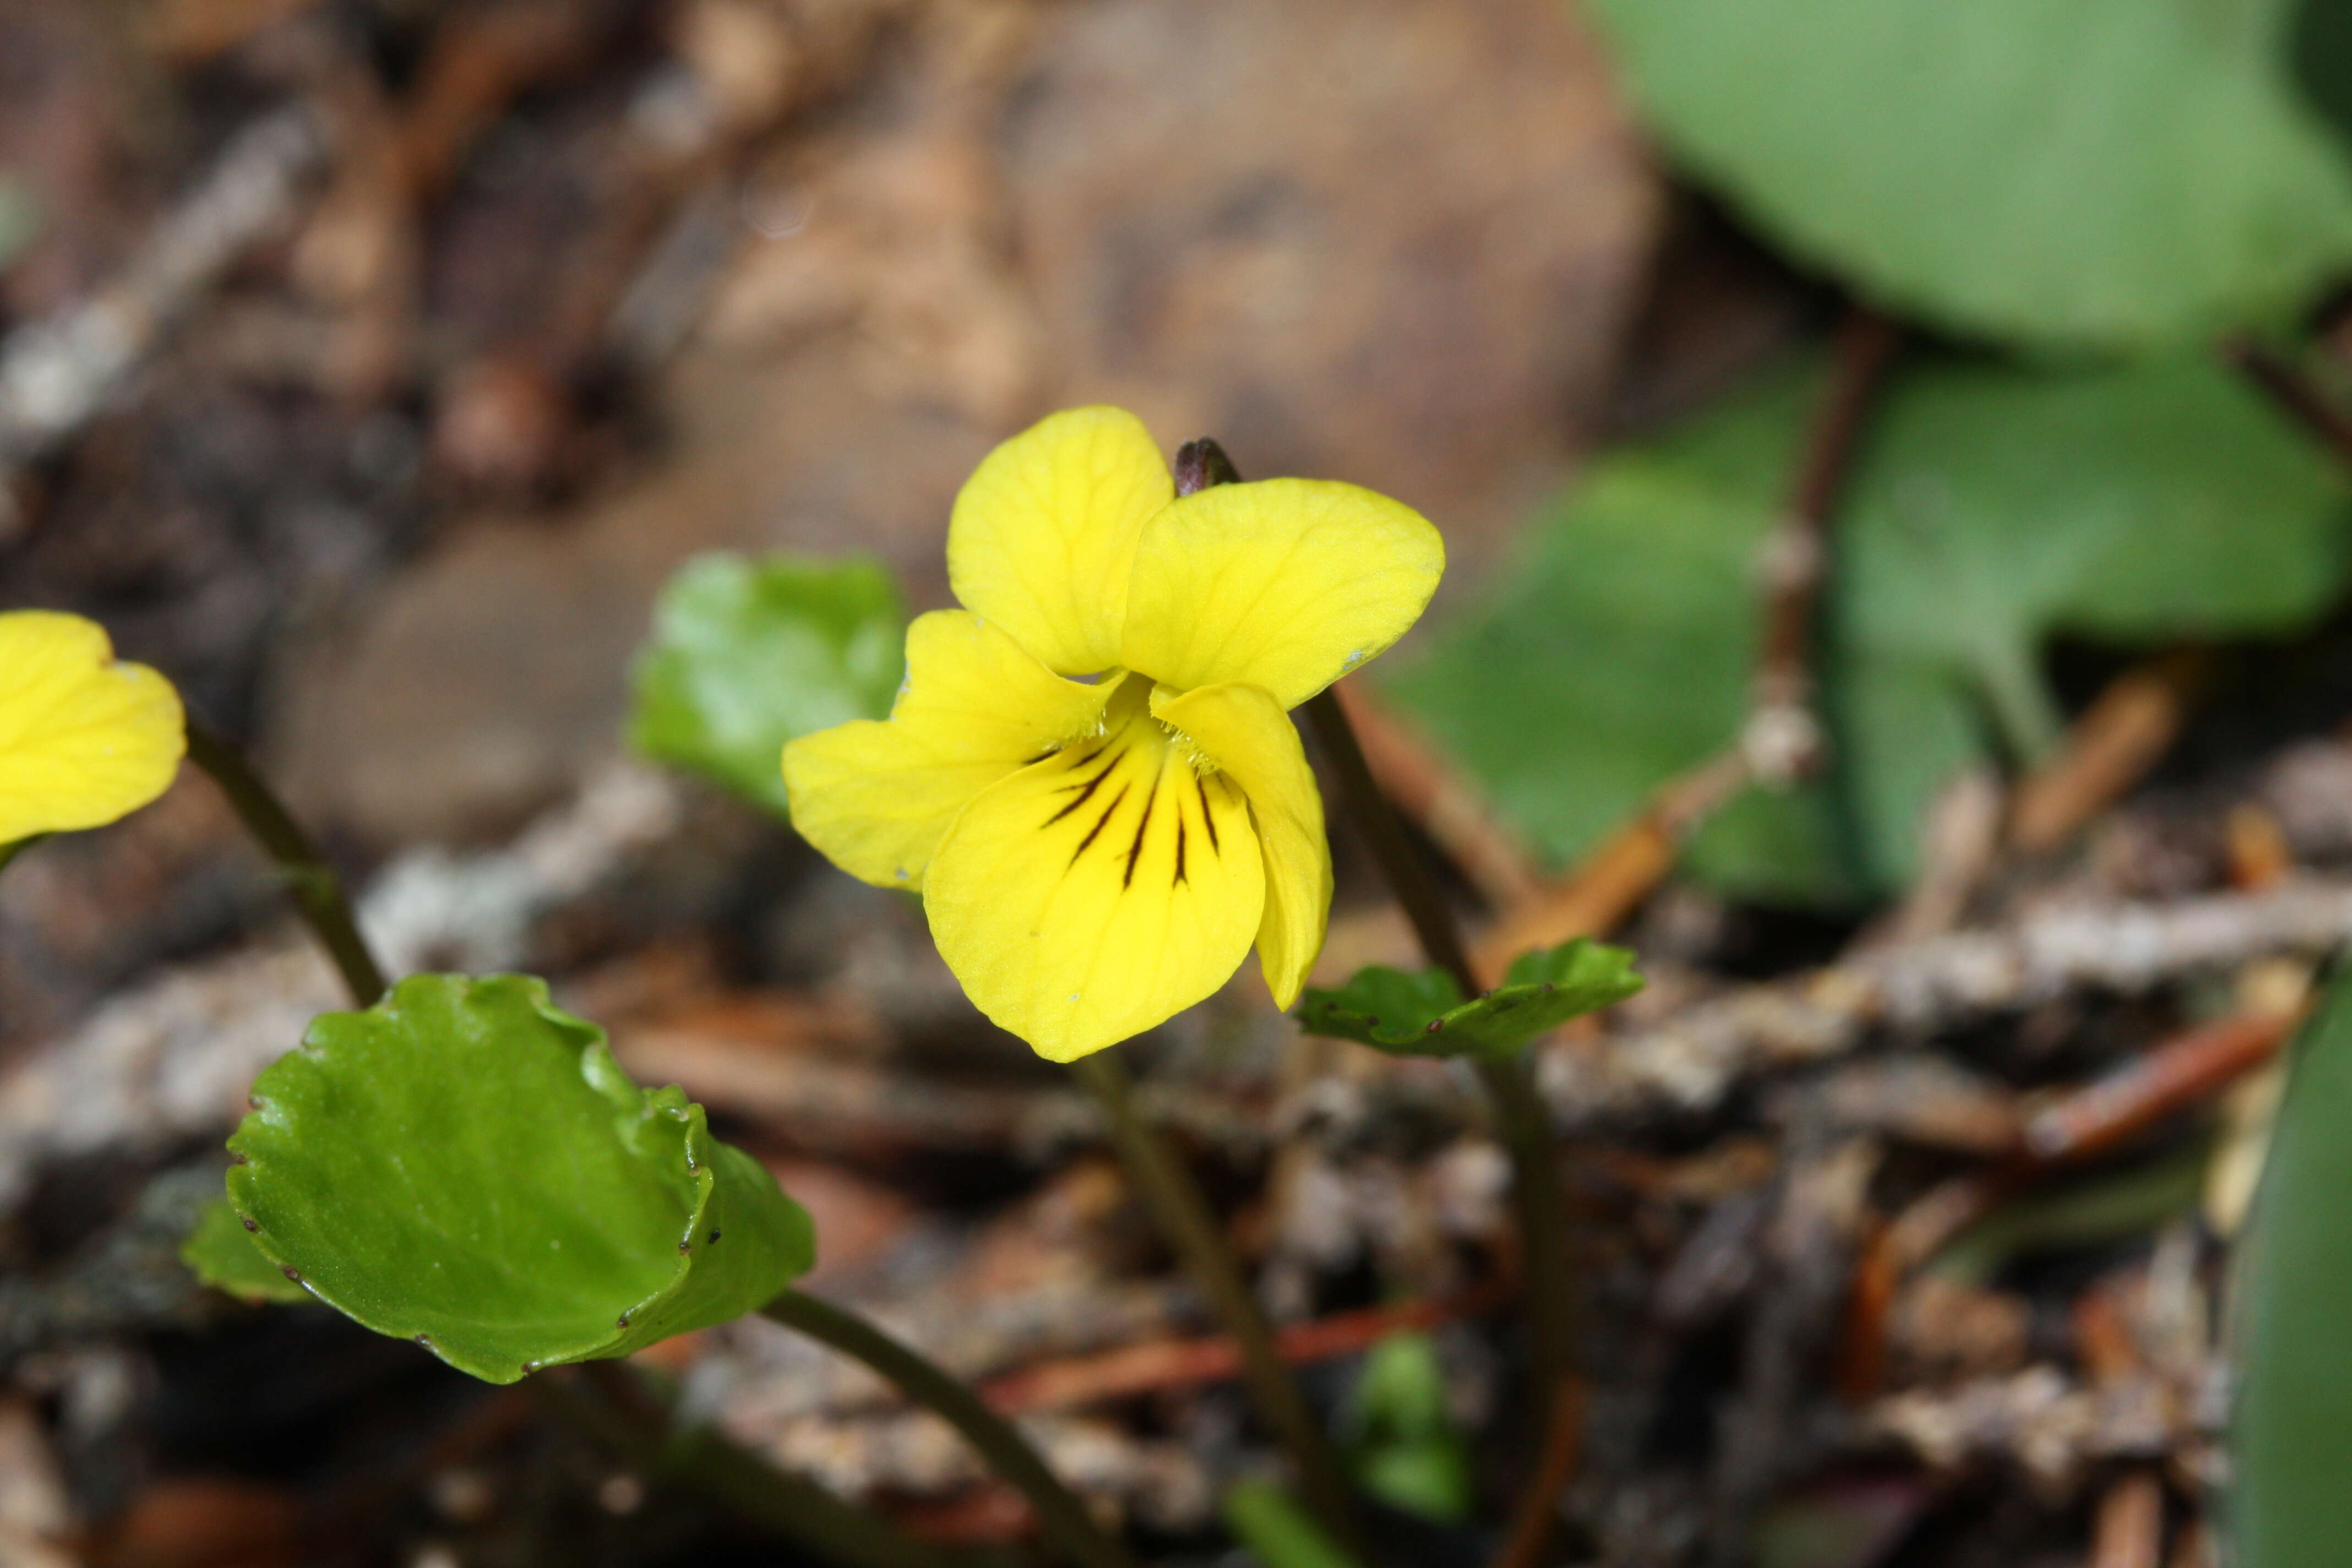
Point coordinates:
[(317, 890), (615, 1410), (1063, 1517), (1183, 1216)]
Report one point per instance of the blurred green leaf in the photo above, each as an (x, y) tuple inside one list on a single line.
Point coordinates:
[(1421, 1012), (2109, 1206), (463, 1164), (1626, 640), (2110, 173), (1276, 1531), (222, 1255), (2293, 1297), (1401, 1436), (746, 655), (1990, 508)]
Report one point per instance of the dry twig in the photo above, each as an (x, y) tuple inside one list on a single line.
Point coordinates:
[(2130, 1529), (2179, 1074), (1159, 1365), (1688, 1061), (2108, 749), (58, 373), (1458, 817), (1619, 873), (2089, 1120), (1783, 737)]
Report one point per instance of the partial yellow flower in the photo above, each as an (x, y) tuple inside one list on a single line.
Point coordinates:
[(83, 740), (1091, 774)]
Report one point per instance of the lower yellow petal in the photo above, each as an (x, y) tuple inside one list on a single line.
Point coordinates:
[(874, 797), (83, 740), (1242, 731), (1099, 892)]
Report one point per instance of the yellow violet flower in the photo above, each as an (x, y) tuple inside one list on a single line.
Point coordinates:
[(1090, 772), (83, 740)]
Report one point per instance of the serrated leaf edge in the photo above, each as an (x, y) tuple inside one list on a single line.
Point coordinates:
[(194, 1261), (602, 1071)]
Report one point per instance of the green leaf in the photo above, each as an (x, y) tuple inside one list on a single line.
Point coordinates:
[(1990, 508), (1421, 1014), (2321, 57), (2103, 1207), (1405, 1449), (2107, 173), (746, 655), (2294, 1297), (463, 1164), (1276, 1531), (1626, 638), (222, 1254)]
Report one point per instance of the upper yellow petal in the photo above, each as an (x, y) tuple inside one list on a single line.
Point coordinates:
[(1099, 892), (83, 740), (1043, 538), (1242, 731), (1284, 583), (874, 797)]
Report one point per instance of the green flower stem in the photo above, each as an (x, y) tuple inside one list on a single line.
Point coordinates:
[(1521, 1119), (1184, 1216), (1065, 1518), (318, 891), (1524, 1124), (617, 1411)]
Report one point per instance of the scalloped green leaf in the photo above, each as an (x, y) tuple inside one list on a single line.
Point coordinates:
[(1420, 1013), (1988, 509), (463, 1164), (2106, 174), (747, 654), (221, 1252), (2294, 1295)]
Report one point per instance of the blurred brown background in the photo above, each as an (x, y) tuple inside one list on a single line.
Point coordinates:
[(829, 252), (530, 300)]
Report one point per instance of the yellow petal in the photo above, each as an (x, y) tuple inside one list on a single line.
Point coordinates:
[(1099, 892), (874, 797), (1285, 583), (1242, 731), (83, 741), (1043, 538)]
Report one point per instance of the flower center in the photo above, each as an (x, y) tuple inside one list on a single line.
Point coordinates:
[(1137, 799)]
